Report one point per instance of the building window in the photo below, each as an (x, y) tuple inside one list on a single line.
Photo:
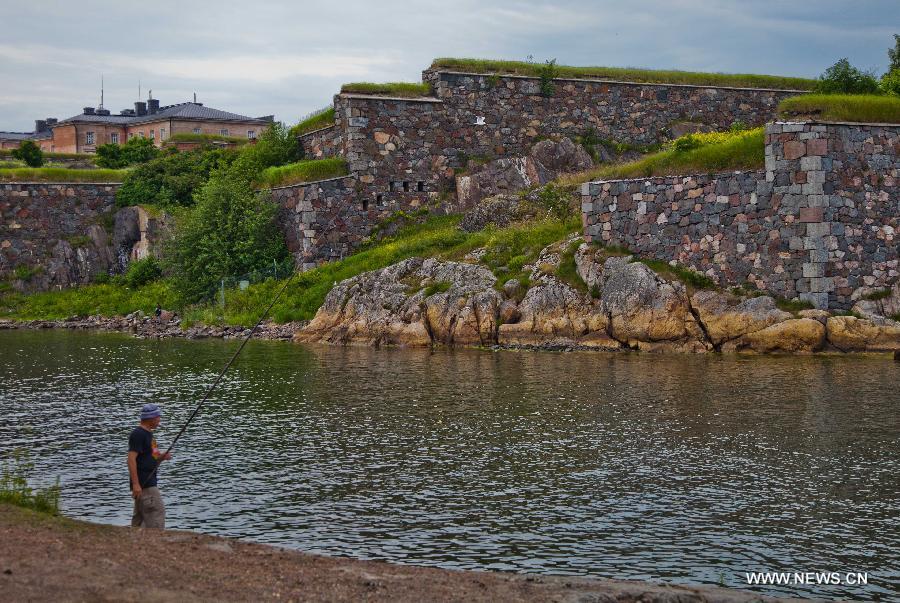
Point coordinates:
[(114, 138), (152, 134), (89, 138), (142, 134), (196, 130), (223, 132), (251, 134), (162, 133)]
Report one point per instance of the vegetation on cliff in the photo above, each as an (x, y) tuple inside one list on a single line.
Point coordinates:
[(316, 121), (303, 171), (843, 107), (401, 89), (742, 80), (689, 154)]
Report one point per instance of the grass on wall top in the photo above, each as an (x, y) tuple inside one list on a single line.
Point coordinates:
[(80, 156), (626, 74), (194, 137), (52, 174), (317, 121), (843, 107), (303, 171), (713, 152), (401, 89)]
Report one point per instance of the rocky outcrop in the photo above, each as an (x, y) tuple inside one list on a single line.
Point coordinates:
[(546, 160), (625, 306), (413, 302)]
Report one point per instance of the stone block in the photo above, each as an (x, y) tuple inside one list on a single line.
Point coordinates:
[(819, 300), (818, 229), (810, 163), (794, 149), (813, 269), (811, 214), (818, 146)]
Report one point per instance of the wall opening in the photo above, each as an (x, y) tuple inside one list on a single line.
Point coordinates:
[(365, 203), (405, 186), (420, 186)]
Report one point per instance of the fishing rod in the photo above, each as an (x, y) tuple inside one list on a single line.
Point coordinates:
[(209, 391)]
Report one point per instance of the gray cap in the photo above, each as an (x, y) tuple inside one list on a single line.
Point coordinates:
[(150, 411)]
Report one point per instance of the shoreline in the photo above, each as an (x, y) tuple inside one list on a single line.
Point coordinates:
[(154, 328), (44, 557)]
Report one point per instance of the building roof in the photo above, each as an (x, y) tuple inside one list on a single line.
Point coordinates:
[(195, 111), (16, 135)]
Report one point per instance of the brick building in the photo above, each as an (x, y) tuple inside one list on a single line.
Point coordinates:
[(97, 126)]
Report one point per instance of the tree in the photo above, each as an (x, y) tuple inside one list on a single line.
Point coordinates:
[(172, 179), (30, 153), (276, 146), (231, 231), (894, 55), (890, 82), (844, 78), (136, 150)]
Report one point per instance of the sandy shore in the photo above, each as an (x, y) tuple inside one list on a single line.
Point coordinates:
[(44, 558)]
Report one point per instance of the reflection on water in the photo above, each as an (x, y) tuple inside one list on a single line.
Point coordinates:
[(671, 468)]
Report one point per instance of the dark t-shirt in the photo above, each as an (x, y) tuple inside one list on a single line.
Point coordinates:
[(143, 442)]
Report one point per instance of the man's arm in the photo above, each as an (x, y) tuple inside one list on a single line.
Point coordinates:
[(132, 471)]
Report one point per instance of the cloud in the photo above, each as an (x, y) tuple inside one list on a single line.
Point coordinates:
[(289, 58)]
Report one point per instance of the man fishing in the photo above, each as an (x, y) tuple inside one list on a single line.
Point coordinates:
[(143, 458)]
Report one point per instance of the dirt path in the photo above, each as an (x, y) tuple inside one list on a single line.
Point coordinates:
[(45, 558)]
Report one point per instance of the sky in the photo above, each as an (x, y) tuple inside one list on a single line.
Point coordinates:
[(288, 58)]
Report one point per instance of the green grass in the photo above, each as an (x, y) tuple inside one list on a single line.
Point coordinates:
[(317, 121), (106, 300), (437, 237), (438, 287), (507, 250), (80, 156), (843, 107), (303, 171), (719, 152), (192, 137), (402, 89), (740, 80), (567, 270), (685, 275), (789, 305), (14, 488), (60, 175)]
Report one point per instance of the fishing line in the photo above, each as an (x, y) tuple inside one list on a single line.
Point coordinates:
[(219, 378)]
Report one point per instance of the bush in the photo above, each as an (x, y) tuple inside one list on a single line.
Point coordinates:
[(276, 146), (556, 200), (14, 488), (844, 78), (547, 72), (231, 231), (136, 150), (143, 271), (685, 143), (890, 82), (171, 180), (30, 153)]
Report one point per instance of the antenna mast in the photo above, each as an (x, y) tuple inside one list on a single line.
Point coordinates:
[(101, 90)]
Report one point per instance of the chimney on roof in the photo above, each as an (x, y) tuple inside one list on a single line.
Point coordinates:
[(40, 125), (88, 110), (140, 108), (127, 112), (153, 106), (51, 121), (102, 111)]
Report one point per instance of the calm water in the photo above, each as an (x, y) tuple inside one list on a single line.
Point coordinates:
[(670, 468)]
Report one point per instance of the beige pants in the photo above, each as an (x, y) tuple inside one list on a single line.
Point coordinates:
[(149, 511)]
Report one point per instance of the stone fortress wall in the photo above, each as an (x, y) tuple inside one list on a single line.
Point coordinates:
[(56, 235), (819, 223), (403, 152)]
